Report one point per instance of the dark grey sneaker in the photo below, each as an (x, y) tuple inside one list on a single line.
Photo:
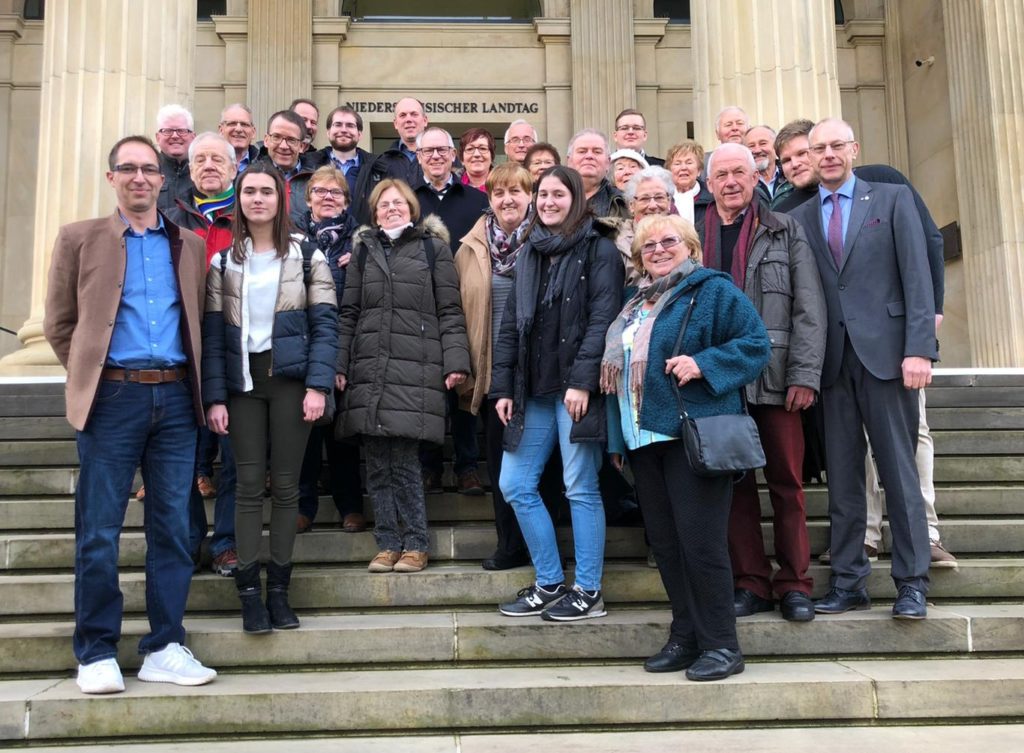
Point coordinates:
[(577, 605), (532, 600)]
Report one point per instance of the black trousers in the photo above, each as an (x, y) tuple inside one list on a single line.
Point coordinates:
[(687, 522)]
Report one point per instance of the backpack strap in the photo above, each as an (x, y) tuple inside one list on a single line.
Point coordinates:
[(308, 249), (223, 261)]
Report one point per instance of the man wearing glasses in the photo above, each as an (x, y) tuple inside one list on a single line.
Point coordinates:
[(124, 302), (236, 125), (631, 133), (519, 137), (769, 260), (283, 145), (872, 257), (174, 133)]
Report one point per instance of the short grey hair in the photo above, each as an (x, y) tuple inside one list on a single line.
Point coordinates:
[(586, 132), (654, 172), (732, 147), (167, 112), (239, 105), (729, 108), (433, 129), (514, 123), (766, 127), (212, 136), (840, 121)]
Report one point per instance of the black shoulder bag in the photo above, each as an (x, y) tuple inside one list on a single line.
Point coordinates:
[(726, 445)]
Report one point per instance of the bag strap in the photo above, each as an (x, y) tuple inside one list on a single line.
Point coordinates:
[(677, 351)]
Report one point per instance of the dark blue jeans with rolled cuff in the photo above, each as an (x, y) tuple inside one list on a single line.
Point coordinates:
[(131, 425), (224, 506)]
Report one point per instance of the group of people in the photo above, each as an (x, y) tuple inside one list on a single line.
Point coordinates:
[(332, 295)]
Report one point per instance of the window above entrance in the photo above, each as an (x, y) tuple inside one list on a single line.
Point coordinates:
[(448, 11)]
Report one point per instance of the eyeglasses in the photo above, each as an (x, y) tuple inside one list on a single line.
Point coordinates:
[(634, 128), (521, 141), (275, 138), (667, 244), (476, 150), (835, 146), (430, 151), (334, 193), (346, 126), (235, 124), (127, 168), (397, 204), (174, 131), (656, 198)]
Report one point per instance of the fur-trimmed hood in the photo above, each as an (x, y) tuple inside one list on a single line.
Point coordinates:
[(429, 225)]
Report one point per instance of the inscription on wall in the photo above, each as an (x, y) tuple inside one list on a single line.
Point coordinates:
[(452, 108)]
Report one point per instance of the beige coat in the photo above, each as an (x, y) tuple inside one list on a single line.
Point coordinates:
[(473, 263), (83, 294)]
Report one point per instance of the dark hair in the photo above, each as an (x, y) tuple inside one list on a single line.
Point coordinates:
[(112, 157), (541, 146), (349, 111), (579, 211), (790, 131), (630, 111), (291, 117), (472, 135), (282, 224), (304, 101)]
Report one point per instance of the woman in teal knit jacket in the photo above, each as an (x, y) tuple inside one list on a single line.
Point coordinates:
[(725, 346)]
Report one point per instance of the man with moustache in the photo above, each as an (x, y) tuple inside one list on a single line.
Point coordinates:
[(760, 140), (237, 126), (344, 129), (282, 147), (519, 137), (769, 259), (589, 156), (631, 133), (872, 258), (174, 133)]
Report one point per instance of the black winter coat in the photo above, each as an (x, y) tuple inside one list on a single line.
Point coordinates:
[(402, 333), (459, 210), (592, 299)]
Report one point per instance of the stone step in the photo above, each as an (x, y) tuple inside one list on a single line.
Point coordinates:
[(991, 738), (55, 513), (956, 419), (519, 697), (468, 541), (486, 636), (462, 584)]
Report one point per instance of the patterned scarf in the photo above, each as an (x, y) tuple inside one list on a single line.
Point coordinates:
[(504, 246), (712, 228), (614, 352), (211, 206)]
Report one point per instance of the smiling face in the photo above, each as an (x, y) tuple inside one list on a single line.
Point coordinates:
[(732, 179), (436, 156), (650, 198), (509, 204), (833, 151), (761, 143), (173, 136), (211, 169), (237, 127), (326, 199), (258, 199), (539, 162), (392, 210), (624, 169), (409, 120), (684, 168), (342, 132), (630, 132), (795, 159), (310, 117), (553, 202), (518, 141), (663, 251), (590, 158), (136, 191), (731, 126), (477, 157), (284, 143)]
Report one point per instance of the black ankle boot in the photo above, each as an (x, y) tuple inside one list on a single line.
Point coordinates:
[(255, 619), (281, 615)]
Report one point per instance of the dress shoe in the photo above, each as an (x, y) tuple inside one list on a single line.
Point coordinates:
[(303, 523), (747, 603), (942, 558), (501, 562), (839, 600), (354, 522), (673, 657), (469, 483), (796, 607), (716, 664), (910, 604)]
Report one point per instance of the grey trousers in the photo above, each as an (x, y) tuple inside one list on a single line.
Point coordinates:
[(394, 482)]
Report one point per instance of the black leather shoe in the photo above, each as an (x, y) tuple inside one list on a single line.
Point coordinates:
[(839, 600), (716, 664), (674, 657), (796, 607), (910, 604), (747, 603), (499, 562)]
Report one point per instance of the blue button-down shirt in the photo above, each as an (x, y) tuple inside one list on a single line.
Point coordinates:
[(147, 330), (410, 154), (845, 204)]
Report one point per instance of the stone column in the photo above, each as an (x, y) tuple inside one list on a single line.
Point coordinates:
[(280, 60), (986, 87), (603, 61), (774, 58), (104, 76)]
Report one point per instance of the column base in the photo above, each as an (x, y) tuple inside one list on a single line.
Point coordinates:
[(36, 357)]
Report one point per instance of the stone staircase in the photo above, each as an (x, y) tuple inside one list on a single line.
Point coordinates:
[(427, 658)]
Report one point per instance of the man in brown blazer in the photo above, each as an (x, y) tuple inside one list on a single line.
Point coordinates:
[(123, 310)]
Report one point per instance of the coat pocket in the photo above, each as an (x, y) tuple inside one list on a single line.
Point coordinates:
[(773, 378), (775, 273)]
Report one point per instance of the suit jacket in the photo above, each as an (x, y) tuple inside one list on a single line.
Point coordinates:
[(84, 292), (881, 297)]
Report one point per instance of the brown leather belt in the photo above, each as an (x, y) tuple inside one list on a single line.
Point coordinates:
[(145, 376)]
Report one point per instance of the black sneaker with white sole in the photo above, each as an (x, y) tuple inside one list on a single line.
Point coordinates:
[(577, 605), (532, 600)]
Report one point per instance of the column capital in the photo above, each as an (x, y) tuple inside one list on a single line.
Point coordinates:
[(231, 27), (328, 27)]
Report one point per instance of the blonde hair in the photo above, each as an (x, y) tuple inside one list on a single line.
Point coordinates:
[(683, 148), (648, 226)]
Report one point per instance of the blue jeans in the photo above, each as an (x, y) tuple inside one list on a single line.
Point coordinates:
[(223, 509), (547, 422), (131, 425)]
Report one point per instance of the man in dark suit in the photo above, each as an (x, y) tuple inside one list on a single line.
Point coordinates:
[(871, 254)]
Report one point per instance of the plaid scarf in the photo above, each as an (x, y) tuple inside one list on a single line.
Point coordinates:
[(211, 206)]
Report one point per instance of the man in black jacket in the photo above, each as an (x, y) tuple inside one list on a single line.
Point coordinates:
[(589, 156), (282, 146), (174, 133), (238, 127)]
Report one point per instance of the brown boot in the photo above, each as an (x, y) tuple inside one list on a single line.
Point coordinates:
[(384, 562), (411, 562)]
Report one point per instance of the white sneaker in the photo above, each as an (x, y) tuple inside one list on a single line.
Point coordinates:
[(103, 676), (175, 663)]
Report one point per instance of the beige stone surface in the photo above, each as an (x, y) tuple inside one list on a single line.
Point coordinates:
[(14, 696)]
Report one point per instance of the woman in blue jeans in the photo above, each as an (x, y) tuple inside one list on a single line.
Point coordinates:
[(545, 378)]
